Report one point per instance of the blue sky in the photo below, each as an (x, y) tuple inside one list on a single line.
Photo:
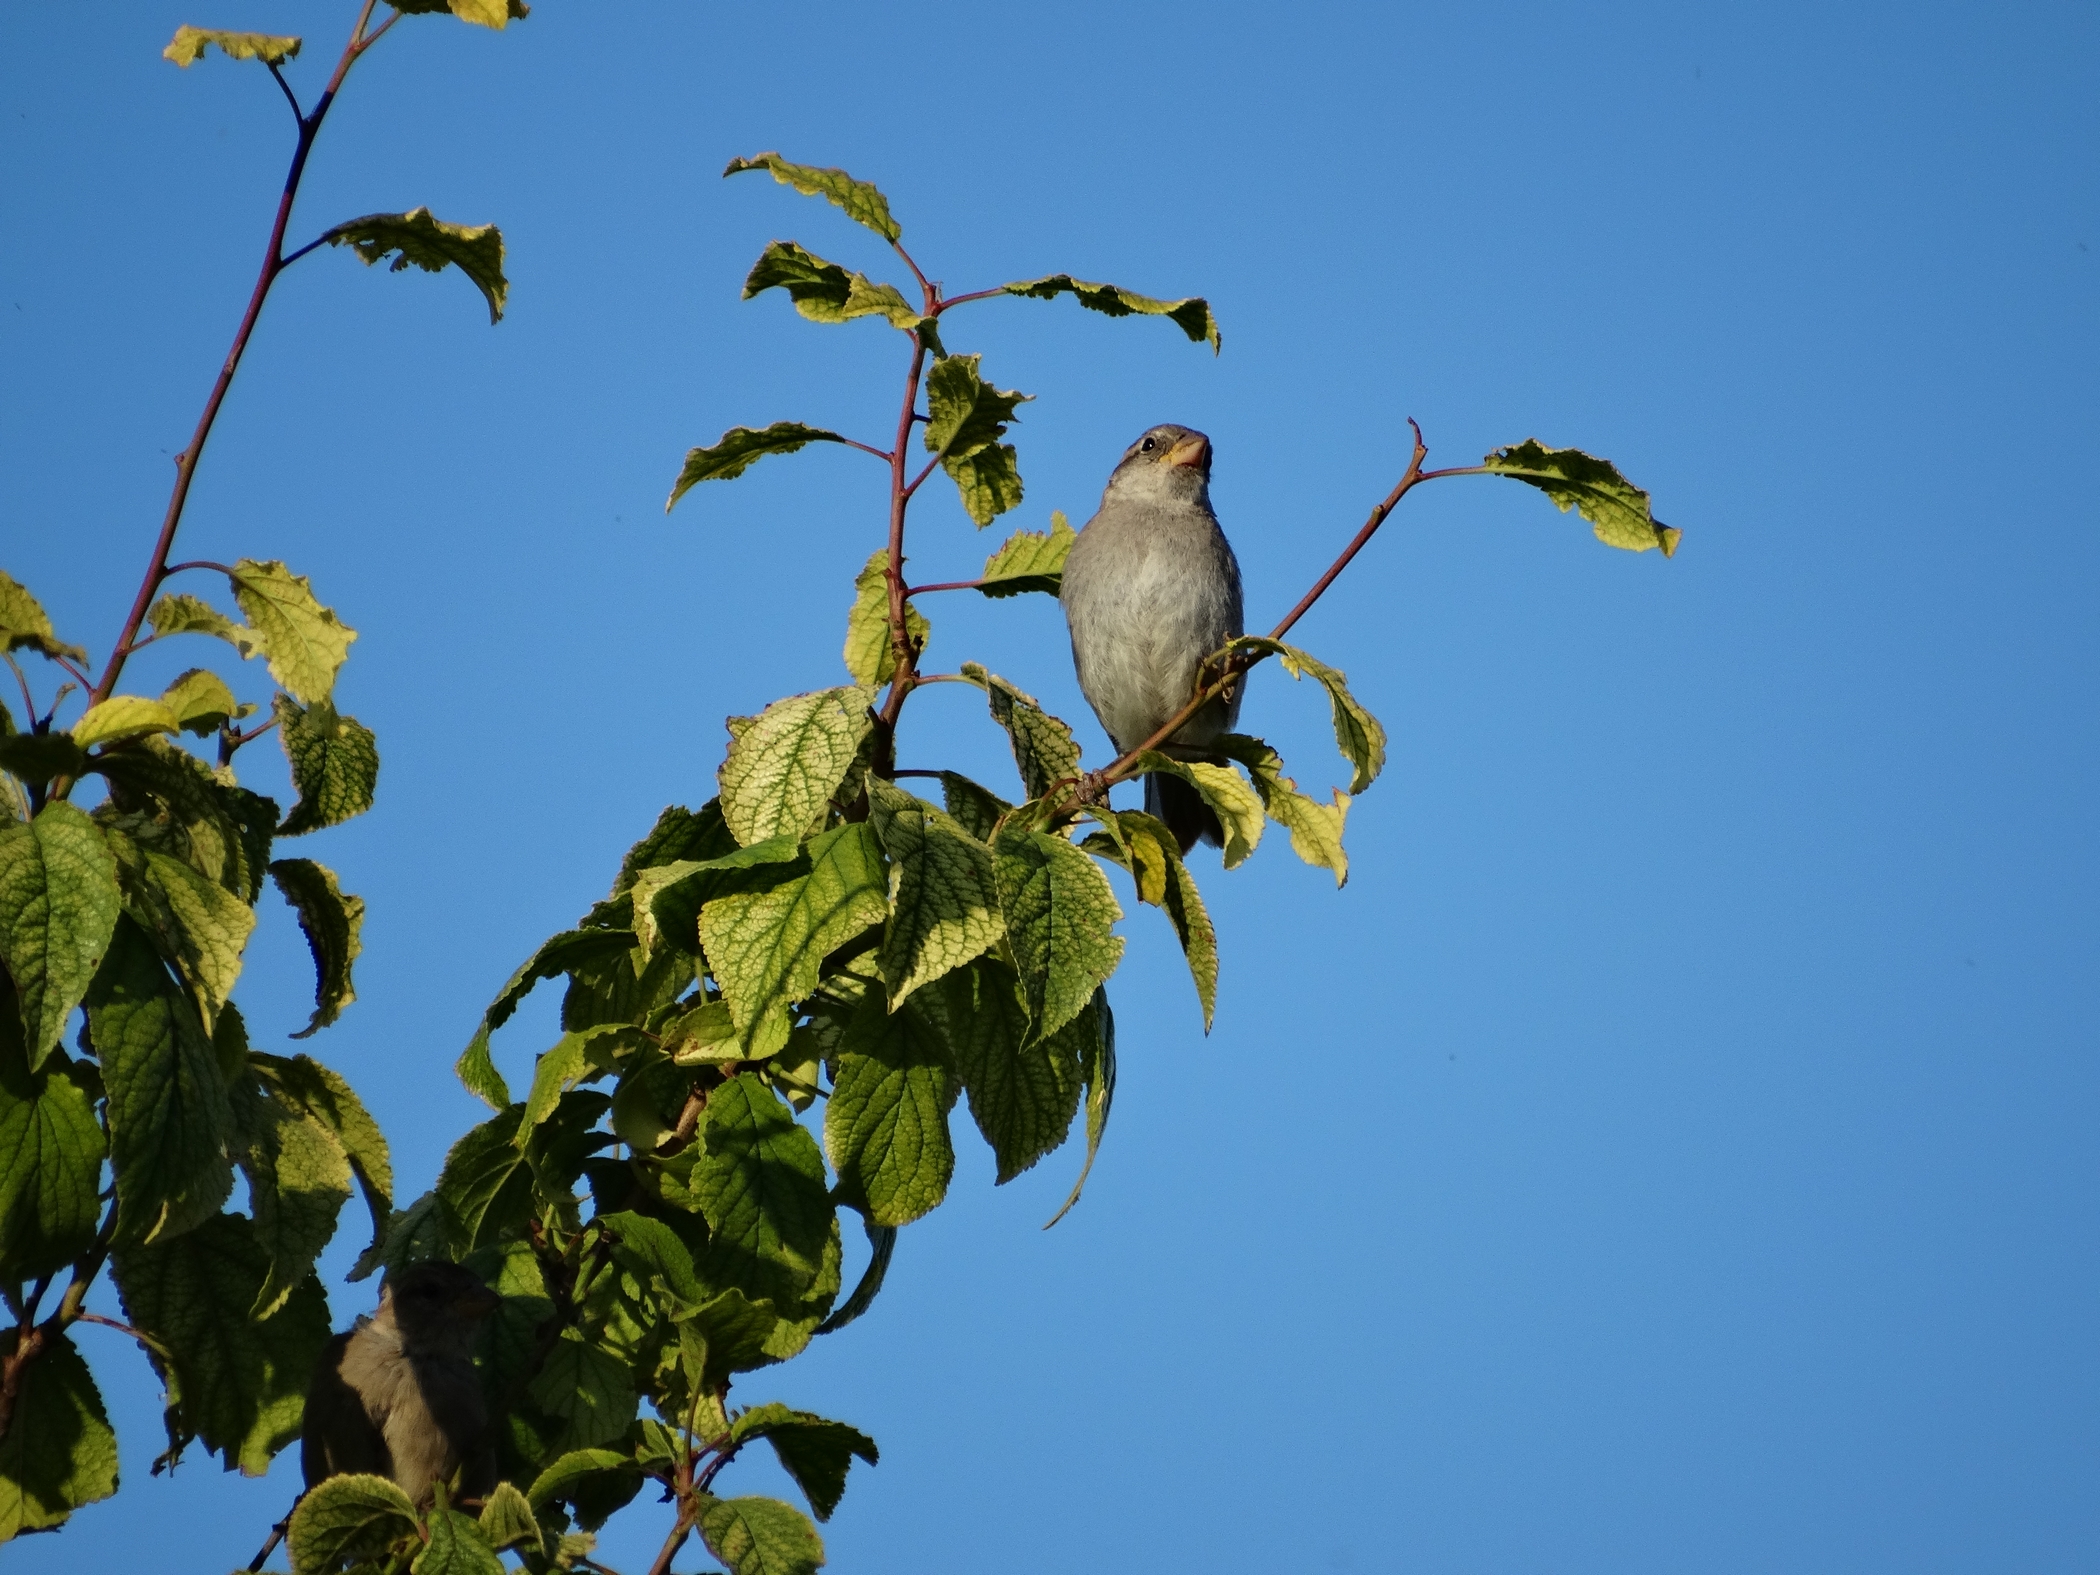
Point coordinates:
[(1676, 1146)]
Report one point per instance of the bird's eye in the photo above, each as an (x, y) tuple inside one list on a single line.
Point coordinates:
[(1147, 446)]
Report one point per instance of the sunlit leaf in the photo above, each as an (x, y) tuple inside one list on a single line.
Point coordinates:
[(870, 656), (201, 701), (1617, 510), (1060, 915), (304, 642), (1192, 315), (476, 250), (760, 1536), (1044, 750), (739, 449), (944, 904), (25, 625), (1030, 560), (124, 716), (824, 292), (781, 772), (816, 1452), (858, 199), (1356, 732), (1315, 828), (176, 614)]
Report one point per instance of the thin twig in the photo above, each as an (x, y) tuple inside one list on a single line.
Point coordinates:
[(974, 295), (139, 1335), (1378, 515), (174, 569), (882, 454), (290, 97), (922, 475), (948, 585), (28, 701), (276, 1536)]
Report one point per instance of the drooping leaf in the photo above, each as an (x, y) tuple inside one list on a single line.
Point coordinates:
[(201, 702), (668, 897), (976, 809), (968, 417), (944, 904), (432, 245), (1617, 510), (1193, 315), (304, 642), (760, 1185), (348, 1517), (1315, 828), (335, 764), (331, 920), (25, 625), (1030, 560), (59, 1452), (857, 199), (1044, 750), (124, 716), (882, 1246), (824, 292), (189, 43), (201, 926), (886, 1123), (237, 1384), (324, 1096), (765, 947), (179, 614), (1164, 881), (507, 1520), (412, 1235), (679, 834), (816, 1452), (455, 1545), (781, 771), (556, 956), (167, 1106), (760, 1536), (298, 1181), (38, 757), (989, 481), (1098, 1062), (559, 1482), (51, 1151), (1237, 806), (482, 13), (1059, 917), (585, 1388), (165, 797), (1356, 732), (870, 656), (1023, 1090), (485, 1188), (58, 908), (739, 449)]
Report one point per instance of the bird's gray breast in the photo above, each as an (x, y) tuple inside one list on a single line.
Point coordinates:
[(1149, 590)]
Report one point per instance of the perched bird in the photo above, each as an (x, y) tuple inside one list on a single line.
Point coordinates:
[(1150, 589), (398, 1396)]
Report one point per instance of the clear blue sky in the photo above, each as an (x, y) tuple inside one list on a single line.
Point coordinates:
[(1675, 1149)]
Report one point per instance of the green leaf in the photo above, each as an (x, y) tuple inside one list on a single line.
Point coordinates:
[(456, 1545), (165, 797), (1154, 861), (976, 809), (58, 908), (25, 624), (59, 1452), (412, 1235), (679, 834), (345, 1518), (305, 643), (587, 1390), (298, 1181), (944, 904), (764, 948), (167, 1106), (121, 717), (332, 921), (857, 199), (554, 1074), (38, 757), (177, 614), (968, 418), (235, 1383), (335, 765), (189, 44), (1059, 914), (824, 292), (485, 1188), (816, 1452), (1098, 1061), (882, 1245), (782, 770), (1193, 315), (1315, 828), (51, 1151), (507, 1520), (760, 1184), (202, 928), (1617, 510), (1030, 560), (556, 956), (739, 449), (1023, 1091), (886, 1124), (1356, 732), (201, 702), (323, 1095), (1224, 790), (1043, 746), (760, 1536), (482, 13), (668, 897), (870, 657), (432, 245)]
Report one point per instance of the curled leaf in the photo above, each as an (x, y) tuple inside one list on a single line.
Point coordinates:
[(476, 250), (1192, 315), (189, 43), (857, 199), (1617, 510), (739, 449)]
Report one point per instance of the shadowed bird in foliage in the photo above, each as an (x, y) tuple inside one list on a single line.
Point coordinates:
[(398, 1395), (1150, 589)]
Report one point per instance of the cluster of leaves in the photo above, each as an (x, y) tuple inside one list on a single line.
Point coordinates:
[(137, 909)]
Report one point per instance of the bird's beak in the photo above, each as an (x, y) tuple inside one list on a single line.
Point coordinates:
[(1190, 451)]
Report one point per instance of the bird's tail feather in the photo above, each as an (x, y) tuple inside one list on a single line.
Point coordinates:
[(1182, 808)]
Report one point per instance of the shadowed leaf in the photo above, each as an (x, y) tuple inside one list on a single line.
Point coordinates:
[(816, 1452), (25, 625), (1192, 315), (1044, 750), (334, 761), (59, 1452), (886, 1124), (824, 292), (1098, 1062), (58, 909), (331, 920), (1059, 918), (739, 449)]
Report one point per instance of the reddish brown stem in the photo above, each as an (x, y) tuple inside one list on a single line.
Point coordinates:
[(951, 585), (672, 1544)]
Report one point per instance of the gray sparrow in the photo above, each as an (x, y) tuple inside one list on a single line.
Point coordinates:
[(398, 1395), (1151, 588)]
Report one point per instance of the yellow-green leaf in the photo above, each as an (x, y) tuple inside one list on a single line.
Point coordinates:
[(187, 615), (59, 906), (781, 772), (944, 903), (741, 447), (201, 702), (1030, 560), (189, 44), (1617, 510), (857, 199), (476, 250), (1060, 915), (870, 657), (1315, 828), (1357, 733), (306, 643), (1192, 315), (124, 716), (1224, 790), (823, 291), (24, 623)]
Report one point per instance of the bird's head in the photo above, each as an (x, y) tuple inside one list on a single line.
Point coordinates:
[(1167, 464), (436, 1306)]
